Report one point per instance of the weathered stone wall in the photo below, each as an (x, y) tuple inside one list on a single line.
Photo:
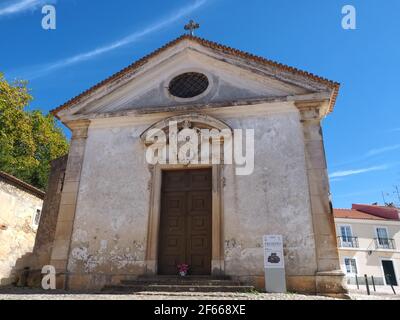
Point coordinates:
[(109, 214), (48, 222), (110, 227), (111, 220), (273, 200), (17, 230)]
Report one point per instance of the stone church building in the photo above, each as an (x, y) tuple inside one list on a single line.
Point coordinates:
[(121, 217)]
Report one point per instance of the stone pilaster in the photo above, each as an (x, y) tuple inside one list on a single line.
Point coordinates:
[(329, 277), (66, 216)]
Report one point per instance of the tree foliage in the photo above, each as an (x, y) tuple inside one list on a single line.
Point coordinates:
[(29, 140)]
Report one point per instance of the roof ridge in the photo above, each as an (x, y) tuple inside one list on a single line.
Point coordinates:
[(273, 62), (213, 45), (22, 184)]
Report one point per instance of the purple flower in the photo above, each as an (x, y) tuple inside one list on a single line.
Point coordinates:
[(183, 267)]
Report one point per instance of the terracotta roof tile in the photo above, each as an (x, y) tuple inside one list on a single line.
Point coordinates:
[(355, 214), (209, 44), (390, 213)]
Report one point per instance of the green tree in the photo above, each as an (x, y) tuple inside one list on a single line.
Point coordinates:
[(29, 140)]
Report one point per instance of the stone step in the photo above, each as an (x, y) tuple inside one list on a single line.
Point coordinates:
[(176, 288), (181, 281), (190, 280), (189, 277)]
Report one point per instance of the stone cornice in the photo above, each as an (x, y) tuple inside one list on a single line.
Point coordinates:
[(275, 69), (79, 128), (312, 110), (315, 100)]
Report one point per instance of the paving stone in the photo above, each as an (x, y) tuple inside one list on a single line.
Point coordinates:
[(12, 293)]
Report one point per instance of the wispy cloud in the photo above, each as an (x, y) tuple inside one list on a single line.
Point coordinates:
[(14, 7), (41, 70), (374, 152), (356, 194), (346, 173), (369, 154)]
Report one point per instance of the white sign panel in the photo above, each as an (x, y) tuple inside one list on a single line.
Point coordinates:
[(273, 252)]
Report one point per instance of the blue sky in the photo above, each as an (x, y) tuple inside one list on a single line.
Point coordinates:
[(94, 39)]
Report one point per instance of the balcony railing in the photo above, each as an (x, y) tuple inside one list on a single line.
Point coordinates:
[(385, 243), (348, 242)]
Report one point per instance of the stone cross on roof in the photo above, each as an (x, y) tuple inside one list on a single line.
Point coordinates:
[(191, 26)]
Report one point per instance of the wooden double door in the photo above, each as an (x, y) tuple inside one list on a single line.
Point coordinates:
[(186, 222)]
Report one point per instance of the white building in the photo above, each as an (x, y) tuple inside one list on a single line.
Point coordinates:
[(20, 211), (369, 243), (122, 217)]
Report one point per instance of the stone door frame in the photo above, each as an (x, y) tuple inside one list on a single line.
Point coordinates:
[(217, 258)]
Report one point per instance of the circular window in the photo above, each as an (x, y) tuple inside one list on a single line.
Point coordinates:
[(188, 85)]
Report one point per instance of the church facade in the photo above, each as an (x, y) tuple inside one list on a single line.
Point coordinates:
[(124, 215)]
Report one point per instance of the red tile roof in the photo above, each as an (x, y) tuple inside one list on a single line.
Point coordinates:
[(389, 213), (209, 44), (354, 214), (368, 212)]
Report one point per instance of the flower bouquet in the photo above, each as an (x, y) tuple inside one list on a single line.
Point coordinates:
[(183, 269)]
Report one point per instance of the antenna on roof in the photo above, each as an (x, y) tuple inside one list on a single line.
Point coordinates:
[(396, 191), (384, 200)]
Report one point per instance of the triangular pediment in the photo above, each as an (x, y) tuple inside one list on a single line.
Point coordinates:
[(231, 78)]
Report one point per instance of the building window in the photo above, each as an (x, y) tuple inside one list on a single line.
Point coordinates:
[(346, 238), (346, 233), (351, 265), (36, 219), (382, 237), (188, 85)]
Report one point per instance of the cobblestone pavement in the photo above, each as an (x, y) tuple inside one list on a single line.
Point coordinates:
[(373, 296), (33, 294), (379, 290), (37, 294)]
